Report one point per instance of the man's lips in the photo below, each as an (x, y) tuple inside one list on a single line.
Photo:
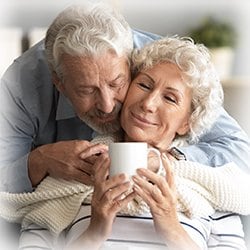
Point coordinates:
[(105, 118), (142, 120)]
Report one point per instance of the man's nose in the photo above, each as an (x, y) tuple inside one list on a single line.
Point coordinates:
[(106, 102)]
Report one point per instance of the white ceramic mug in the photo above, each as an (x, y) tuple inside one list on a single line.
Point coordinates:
[(126, 157)]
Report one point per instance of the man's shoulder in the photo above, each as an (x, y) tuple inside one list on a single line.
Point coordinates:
[(30, 68), (33, 56), (29, 76)]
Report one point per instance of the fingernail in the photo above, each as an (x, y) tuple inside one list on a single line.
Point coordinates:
[(102, 151), (129, 184), (124, 177), (127, 177), (134, 178), (136, 187), (140, 170)]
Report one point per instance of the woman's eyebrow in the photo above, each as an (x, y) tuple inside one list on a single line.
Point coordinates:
[(177, 91), (148, 76), (167, 88)]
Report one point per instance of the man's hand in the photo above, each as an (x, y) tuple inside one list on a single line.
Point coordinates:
[(70, 160)]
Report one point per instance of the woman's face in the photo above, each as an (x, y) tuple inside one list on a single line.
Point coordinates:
[(157, 106)]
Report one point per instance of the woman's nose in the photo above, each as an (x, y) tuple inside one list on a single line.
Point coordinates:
[(150, 102)]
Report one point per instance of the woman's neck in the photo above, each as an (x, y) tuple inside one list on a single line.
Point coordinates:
[(161, 148)]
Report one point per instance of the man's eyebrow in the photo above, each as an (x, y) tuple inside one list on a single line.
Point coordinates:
[(85, 87), (118, 77)]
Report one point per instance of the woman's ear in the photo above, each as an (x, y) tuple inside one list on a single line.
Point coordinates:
[(184, 129), (57, 82)]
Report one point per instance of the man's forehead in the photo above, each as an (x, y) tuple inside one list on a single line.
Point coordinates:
[(108, 66)]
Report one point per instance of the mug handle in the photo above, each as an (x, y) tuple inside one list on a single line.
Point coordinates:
[(159, 156)]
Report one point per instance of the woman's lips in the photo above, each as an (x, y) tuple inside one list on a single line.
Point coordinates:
[(142, 120)]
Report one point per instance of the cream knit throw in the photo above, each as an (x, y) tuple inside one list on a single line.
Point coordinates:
[(200, 189)]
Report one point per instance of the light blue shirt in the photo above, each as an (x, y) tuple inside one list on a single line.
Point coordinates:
[(33, 113)]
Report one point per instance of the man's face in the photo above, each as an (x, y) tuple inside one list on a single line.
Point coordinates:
[(96, 87), (157, 106)]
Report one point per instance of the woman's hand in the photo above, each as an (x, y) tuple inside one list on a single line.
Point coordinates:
[(108, 199), (160, 194)]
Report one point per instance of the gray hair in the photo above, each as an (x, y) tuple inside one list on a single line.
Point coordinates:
[(197, 71), (87, 30)]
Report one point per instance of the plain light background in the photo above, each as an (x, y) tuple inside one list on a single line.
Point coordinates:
[(164, 17)]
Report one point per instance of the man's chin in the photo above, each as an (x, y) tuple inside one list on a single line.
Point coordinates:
[(107, 128), (107, 120)]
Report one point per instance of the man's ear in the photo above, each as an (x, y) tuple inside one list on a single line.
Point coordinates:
[(57, 82), (184, 129)]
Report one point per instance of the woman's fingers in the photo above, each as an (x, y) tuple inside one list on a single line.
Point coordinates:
[(124, 197), (108, 189), (148, 178), (169, 173), (101, 168), (147, 190), (152, 186), (112, 200), (116, 192), (118, 204), (149, 195)]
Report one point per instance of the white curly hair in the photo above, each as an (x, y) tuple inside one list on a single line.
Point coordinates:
[(87, 30)]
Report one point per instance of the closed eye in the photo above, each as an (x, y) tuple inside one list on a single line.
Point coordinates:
[(144, 86), (170, 99), (86, 91)]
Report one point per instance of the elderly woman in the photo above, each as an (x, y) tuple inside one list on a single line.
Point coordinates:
[(173, 99)]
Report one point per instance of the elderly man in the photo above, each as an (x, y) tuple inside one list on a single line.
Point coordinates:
[(55, 99)]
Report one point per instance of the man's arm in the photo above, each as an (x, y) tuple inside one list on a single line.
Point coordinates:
[(28, 151), (15, 141), (224, 142)]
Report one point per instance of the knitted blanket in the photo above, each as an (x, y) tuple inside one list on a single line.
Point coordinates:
[(200, 189)]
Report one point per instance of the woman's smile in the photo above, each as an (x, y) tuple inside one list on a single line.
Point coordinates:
[(142, 121)]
